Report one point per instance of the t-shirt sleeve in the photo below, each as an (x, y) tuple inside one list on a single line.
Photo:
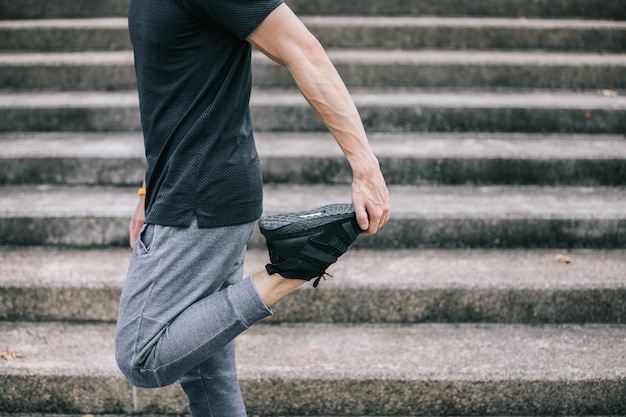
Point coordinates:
[(240, 17)]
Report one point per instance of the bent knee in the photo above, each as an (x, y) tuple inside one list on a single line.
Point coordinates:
[(136, 375), (126, 359), (132, 351)]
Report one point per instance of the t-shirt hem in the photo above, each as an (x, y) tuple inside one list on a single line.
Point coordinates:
[(236, 214)]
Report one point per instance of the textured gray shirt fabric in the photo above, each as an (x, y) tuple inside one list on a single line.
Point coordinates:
[(193, 72)]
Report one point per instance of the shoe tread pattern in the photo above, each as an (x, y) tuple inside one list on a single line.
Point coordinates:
[(292, 224)]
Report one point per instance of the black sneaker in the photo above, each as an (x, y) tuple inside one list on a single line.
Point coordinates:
[(302, 245)]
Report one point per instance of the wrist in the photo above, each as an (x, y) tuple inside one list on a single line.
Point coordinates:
[(365, 166)]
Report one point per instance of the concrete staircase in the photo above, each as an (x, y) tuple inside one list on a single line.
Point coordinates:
[(500, 127)]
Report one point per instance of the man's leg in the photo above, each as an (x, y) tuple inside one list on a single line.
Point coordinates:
[(173, 316), (213, 387), (175, 312)]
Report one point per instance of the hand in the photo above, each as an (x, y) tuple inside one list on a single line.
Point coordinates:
[(137, 221), (370, 199)]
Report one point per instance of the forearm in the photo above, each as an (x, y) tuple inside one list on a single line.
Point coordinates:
[(326, 93)]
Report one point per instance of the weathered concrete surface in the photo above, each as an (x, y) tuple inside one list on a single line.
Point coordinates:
[(378, 68), (308, 158), (388, 111), (101, 70), (482, 33), (319, 369), (518, 8), (521, 356), (613, 9), (406, 32), (72, 159), (467, 111), (38, 9), (48, 35), (74, 415), (69, 71), (437, 217), (406, 286), (367, 368), (41, 145)]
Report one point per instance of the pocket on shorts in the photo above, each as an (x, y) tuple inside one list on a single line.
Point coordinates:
[(146, 238)]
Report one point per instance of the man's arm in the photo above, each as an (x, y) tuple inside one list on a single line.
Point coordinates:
[(285, 39)]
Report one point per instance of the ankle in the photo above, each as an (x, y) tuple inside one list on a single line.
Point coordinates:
[(272, 288)]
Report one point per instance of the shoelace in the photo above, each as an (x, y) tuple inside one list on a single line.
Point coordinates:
[(325, 276)]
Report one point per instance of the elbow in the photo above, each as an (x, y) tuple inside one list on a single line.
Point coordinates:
[(309, 54)]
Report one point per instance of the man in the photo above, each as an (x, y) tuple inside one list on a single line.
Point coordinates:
[(184, 300)]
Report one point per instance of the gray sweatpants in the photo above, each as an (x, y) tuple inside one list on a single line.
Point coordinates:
[(183, 303)]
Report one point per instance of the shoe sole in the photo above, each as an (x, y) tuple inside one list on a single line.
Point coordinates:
[(283, 226)]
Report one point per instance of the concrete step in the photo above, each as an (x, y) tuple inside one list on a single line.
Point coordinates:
[(369, 286), (484, 33), (606, 9), (425, 217), (48, 35), (26, 414), (310, 158), (68, 71), (463, 69), (404, 32), (321, 370), (400, 110), (50, 9), (358, 68), (72, 158)]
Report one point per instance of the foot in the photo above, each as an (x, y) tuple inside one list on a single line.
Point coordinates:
[(303, 245), (273, 288)]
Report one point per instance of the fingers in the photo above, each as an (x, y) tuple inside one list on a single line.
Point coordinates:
[(371, 203), (370, 198), (137, 221), (371, 214), (376, 215), (133, 231)]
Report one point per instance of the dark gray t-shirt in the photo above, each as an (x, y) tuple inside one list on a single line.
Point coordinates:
[(194, 79)]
